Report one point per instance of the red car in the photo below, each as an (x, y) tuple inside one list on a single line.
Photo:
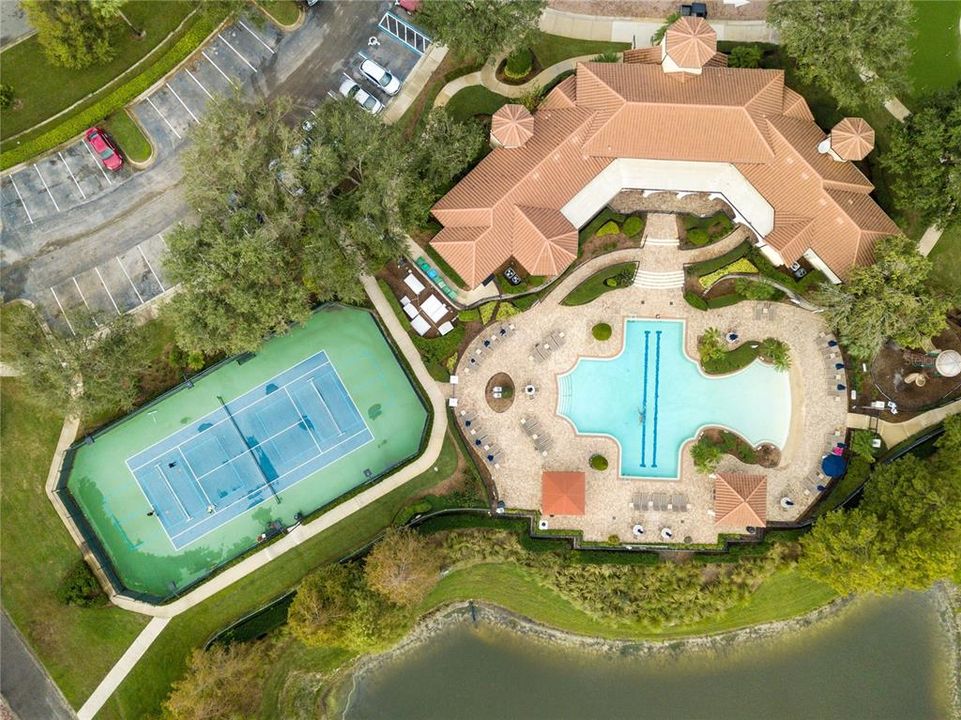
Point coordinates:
[(104, 147)]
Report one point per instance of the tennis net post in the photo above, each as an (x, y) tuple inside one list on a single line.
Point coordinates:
[(253, 455)]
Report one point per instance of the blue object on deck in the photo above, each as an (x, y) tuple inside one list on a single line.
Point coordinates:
[(833, 465)]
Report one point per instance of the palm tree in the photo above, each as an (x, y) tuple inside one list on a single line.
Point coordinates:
[(710, 345), (777, 353)]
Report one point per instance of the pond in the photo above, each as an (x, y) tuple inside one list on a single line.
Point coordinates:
[(881, 658)]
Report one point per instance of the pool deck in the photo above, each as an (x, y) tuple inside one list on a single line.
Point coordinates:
[(814, 411)]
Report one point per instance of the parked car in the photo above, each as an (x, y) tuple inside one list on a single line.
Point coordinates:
[(104, 147), (380, 76), (410, 6), (350, 89)]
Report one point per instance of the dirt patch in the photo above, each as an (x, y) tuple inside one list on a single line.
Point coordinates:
[(700, 204), (500, 392), (605, 244), (764, 455)]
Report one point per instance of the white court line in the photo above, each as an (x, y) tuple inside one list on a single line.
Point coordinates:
[(164, 118), (196, 479), (46, 187), (97, 270), (210, 60), (64, 161), (326, 409), (21, 200), (82, 297), (199, 84), (236, 53), (302, 414), (139, 296), (244, 26), (176, 496), (150, 267), (97, 162), (182, 102), (63, 312)]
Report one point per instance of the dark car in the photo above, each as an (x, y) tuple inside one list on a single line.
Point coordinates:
[(105, 148)]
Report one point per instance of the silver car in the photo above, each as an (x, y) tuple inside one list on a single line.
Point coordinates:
[(380, 76), (350, 89)]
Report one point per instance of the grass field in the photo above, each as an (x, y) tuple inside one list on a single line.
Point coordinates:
[(128, 135), (595, 286), (551, 49), (946, 257), (475, 100), (935, 47), (283, 12), (45, 89)]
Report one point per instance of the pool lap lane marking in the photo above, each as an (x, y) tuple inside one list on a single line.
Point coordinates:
[(647, 347), (657, 382)]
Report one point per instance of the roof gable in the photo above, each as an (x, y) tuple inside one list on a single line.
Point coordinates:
[(740, 500)]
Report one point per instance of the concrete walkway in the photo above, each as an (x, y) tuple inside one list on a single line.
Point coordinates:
[(122, 668), (24, 682), (893, 433), (929, 240), (415, 83)]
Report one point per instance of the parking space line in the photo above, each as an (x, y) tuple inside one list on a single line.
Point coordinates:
[(162, 117), (75, 182), (139, 296), (114, 302), (259, 39), (236, 52), (63, 312), (182, 102), (21, 200), (217, 67), (166, 246), (199, 84), (150, 267), (97, 162), (40, 175), (85, 303)]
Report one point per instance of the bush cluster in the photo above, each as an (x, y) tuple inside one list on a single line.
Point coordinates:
[(519, 64), (601, 331), (633, 226), (738, 266), (608, 228), (598, 462), (695, 300), (79, 587)]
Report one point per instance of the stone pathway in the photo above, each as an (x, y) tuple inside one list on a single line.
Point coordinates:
[(893, 433)]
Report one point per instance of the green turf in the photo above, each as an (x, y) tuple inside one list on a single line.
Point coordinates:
[(935, 47), (283, 12), (111, 498), (145, 687), (551, 49), (475, 100), (946, 259), (77, 646), (45, 89), (129, 137), (595, 286)]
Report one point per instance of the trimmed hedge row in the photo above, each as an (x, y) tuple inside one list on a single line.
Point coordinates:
[(75, 124), (708, 266)]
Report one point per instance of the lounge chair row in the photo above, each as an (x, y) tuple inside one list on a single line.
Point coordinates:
[(660, 502)]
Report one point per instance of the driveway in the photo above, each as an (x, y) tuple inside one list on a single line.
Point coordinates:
[(105, 252), (24, 683)]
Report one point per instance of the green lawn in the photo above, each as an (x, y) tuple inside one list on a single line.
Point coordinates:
[(133, 143), (76, 645), (475, 100), (45, 89), (147, 685), (935, 47), (732, 360), (551, 49), (283, 12), (595, 286), (946, 257)]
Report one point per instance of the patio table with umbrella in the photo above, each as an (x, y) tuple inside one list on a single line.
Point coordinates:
[(833, 465)]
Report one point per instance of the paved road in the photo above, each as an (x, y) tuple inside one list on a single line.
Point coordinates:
[(104, 251), (24, 683)]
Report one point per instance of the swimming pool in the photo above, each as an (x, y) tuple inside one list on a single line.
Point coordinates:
[(652, 398)]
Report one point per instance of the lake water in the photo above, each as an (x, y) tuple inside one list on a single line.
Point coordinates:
[(880, 659)]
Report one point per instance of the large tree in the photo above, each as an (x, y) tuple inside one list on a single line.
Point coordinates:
[(403, 567), (924, 159), (222, 683), (906, 533), (480, 28), (857, 50), (891, 298), (73, 34)]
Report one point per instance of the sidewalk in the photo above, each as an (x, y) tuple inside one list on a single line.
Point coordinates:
[(893, 433)]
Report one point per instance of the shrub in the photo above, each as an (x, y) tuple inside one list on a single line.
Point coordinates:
[(451, 363), (519, 64), (697, 236), (608, 57), (487, 312), (598, 462), (633, 226), (710, 345), (695, 300), (6, 96), (506, 310), (79, 587), (468, 315), (861, 445), (745, 56), (754, 290), (601, 331), (738, 266), (706, 455), (611, 282), (776, 352), (604, 216), (608, 228)]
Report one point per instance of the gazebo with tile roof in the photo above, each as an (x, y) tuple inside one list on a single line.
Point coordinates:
[(562, 493), (512, 126), (740, 500)]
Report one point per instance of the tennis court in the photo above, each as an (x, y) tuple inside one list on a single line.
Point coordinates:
[(182, 486), (250, 449)]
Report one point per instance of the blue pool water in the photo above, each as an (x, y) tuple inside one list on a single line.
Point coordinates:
[(652, 398)]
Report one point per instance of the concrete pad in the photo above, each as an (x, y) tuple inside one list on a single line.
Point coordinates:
[(929, 240)]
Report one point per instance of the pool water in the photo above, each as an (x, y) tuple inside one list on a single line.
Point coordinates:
[(652, 398)]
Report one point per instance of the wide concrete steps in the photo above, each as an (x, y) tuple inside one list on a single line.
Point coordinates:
[(672, 242), (659, 280)]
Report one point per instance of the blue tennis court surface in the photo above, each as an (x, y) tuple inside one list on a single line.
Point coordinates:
[(250, 450)]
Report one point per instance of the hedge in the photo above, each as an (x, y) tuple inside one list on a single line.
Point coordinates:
[(487, 312), (724, 300), (695, 300), (743, 265), (633, 226), (708, 266), (74, 125), (609, 228), (601, 331), (519, 64)]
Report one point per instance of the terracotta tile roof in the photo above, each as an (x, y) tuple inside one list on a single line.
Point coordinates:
[(512, 125), (740, 500), (852, 139), (646, 56), (562, 493), (690, 42), (508, 206)]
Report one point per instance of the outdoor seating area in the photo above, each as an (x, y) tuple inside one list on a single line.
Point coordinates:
[(479, 440), (435, 277), (485, 343), (532, 428), (542, 350), (429, 313), (660, 502), (835, 367)]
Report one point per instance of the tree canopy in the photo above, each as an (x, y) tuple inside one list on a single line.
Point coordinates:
[(906, 533), (924, 159), (403, 567), (222, 683), (481, 28), (890, 298), (858, 51), (73, 34)]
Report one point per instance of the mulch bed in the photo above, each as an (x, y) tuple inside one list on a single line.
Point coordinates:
[(502, 380), (535, 69), (765, 454), (606, 243)]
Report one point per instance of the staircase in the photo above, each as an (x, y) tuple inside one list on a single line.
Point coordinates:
[(672, 242), (659, 280)]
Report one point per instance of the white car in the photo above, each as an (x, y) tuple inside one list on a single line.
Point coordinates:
[(380, 76), (350, 89)]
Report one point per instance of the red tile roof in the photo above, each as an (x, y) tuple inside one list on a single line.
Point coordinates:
[(562, 493), (690, 42), (512, 126), (740, 500), (852, 139)]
